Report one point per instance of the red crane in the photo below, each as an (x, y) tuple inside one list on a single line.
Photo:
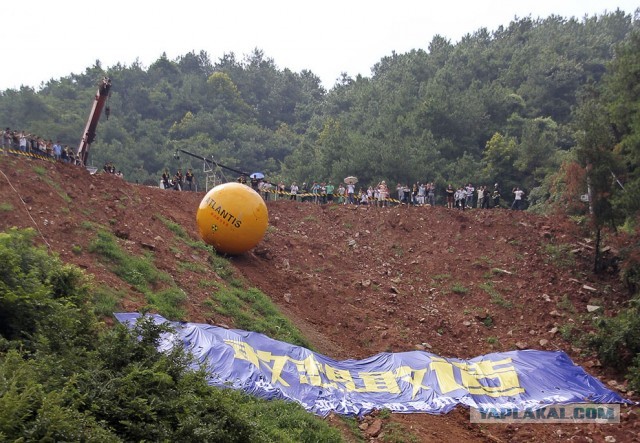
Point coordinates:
[(89, 133)]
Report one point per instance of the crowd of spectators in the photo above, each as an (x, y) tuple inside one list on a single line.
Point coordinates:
[(179, 181), (419, 194), (27, 143), (24, 143)]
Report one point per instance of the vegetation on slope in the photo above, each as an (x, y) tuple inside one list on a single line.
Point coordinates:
[(65, 377)]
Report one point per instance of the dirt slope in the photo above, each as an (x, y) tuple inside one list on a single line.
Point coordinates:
[(356, 280)]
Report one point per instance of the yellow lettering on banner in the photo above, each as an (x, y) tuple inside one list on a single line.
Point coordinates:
[(414, 377), (472, 374), (507, 377), (243, 351), (278, 365), (472, 377), (444, 375), (312, 370), (341, 376), (379, 382), (308, 370)]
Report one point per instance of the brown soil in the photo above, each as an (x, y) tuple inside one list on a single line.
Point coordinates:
[(356, 281)]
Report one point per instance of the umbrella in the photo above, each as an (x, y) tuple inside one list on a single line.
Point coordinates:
[(257, 175), (351, 180)]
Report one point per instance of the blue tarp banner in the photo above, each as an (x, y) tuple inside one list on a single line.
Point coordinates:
[(401, 382)]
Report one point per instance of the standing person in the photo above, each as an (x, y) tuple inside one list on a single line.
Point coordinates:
[(65, 154), (461, 197), (517, 200), (294, 191), (176, 183), (57, 150), (431, 194), (351, 190), (304, 191), (470, 191), (189, 178), (323, 193), (480, 192), (341, 192), (329, 190), (383, 193), (254, 182), (165, 178), (422, 192), (23, 142), (400, 190), (407, 194), (179, 176), (6, 138), (450, 193), (282, 189), (496, 196), (315, 192), (486, 198)]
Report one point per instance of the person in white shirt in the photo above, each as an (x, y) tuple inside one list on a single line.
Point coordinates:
[(517, 200), (294, 191)]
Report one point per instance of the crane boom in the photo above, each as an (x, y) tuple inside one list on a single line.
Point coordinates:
[(89, 134)]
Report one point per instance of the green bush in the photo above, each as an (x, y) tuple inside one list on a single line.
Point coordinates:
[(63, 378), (618, 338)]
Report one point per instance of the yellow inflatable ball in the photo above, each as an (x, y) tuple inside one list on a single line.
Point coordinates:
[(232, 218)]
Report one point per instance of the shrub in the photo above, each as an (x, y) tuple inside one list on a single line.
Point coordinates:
[(63, 378)]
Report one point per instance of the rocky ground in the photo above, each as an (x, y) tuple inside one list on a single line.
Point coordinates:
[(358, 281)]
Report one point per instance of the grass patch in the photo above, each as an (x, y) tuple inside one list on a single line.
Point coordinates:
[(566, 305), (566, 331), (271, 229), (487, 321), (6, 207), (559, 255), (42, 172), (168, 302), (187, 265), (459, 288), (141, 273), (87, 225), (396, 433), (173, 226), (106, 301), (483, 261), (496, 297), (220, 265), (252, 310), (39, 170), (439, 277), (208, 284)]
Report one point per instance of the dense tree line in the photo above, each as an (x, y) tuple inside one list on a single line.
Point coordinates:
[(496, 106)]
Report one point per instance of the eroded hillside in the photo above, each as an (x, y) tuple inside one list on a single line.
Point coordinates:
[(356, 281)]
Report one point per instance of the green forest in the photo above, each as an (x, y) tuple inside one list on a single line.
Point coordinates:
[(505, 105), (551, 105)]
